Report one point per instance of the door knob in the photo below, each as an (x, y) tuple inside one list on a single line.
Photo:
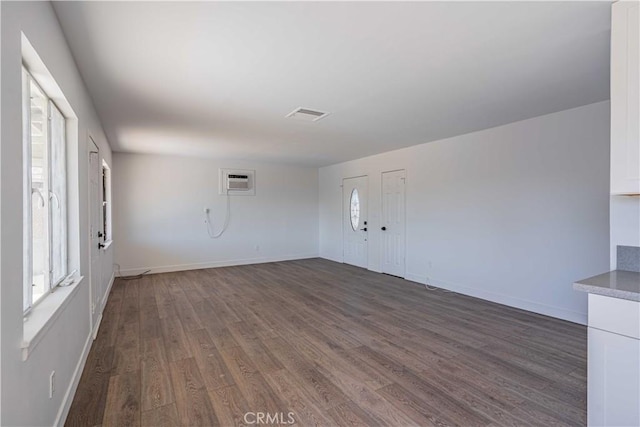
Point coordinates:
[(383, 228), (364, 229)]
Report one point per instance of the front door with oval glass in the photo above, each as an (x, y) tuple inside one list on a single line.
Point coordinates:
[(354, 221)]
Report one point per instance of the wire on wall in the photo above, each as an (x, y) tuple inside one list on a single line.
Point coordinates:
[(434, 288), (136, 277), (209, 222)]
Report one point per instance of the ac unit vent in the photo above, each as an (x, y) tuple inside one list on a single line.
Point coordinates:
[(313, 113), (307, 114), (237, 182)]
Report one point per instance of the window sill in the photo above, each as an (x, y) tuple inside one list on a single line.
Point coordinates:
[(107, 244), (41, 317)]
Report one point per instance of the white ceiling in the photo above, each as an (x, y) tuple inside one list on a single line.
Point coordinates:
[(218, 78)]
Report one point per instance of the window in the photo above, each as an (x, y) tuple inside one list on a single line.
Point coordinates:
[(106, 203), (354, 205), (45, 193)]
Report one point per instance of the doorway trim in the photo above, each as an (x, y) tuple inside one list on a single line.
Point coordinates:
[(404, 221), (94, 321), (342, 215)]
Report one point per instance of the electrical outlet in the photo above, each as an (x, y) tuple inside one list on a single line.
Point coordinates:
[(52, 383), (257, 247)]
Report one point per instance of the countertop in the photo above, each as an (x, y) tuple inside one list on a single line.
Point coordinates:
[(616, 284)]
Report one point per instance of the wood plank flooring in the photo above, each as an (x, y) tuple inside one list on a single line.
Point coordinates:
[(331, 343)]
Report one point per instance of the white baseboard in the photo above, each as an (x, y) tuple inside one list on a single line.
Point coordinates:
[(94, 334), (212, 264), (547, 310), (415, 278), (105, 297), (331, 258), (63, 412), (103, 302), (536, 307)]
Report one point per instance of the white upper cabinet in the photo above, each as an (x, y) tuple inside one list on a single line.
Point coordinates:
[(625, 97)]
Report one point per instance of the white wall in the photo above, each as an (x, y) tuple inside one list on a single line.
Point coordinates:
[(512, 214), (25, 384), (625, 224), (159, 219)]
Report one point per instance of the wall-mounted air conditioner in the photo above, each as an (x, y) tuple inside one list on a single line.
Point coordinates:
[(237, 182)]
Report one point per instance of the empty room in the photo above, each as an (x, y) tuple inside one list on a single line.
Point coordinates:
[(313, 213)]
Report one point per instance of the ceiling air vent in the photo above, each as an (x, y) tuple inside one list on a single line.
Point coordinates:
[(307, 115)]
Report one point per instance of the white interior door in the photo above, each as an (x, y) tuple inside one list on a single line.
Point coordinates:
[(393, 222), (354, 220), (95, 209)]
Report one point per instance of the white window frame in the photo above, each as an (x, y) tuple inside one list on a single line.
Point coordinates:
[(28, 302), (107, 229)]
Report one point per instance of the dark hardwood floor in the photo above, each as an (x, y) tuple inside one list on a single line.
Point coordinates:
[(330, 343)]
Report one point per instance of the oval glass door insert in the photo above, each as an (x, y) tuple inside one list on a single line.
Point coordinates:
[(355, 209)]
